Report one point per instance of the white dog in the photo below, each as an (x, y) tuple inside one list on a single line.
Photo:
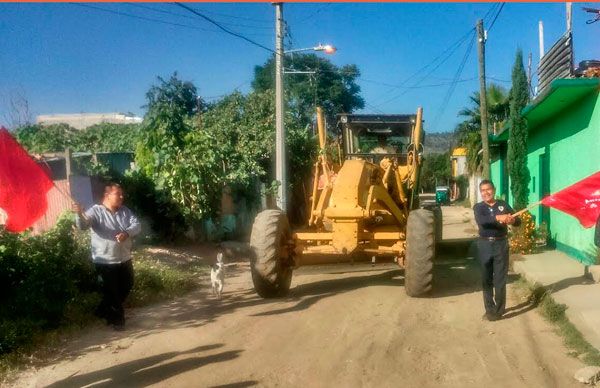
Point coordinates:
[(217, 276)]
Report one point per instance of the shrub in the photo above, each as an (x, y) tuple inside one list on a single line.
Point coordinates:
[(156, 281), (523, 238), (41, 278)]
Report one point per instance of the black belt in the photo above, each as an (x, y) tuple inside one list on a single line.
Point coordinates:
[(493, 238)]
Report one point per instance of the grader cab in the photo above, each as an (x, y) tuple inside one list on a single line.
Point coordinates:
[(366, 205)]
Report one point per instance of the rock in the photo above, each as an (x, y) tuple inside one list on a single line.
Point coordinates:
[(594, 270), (588, 375)]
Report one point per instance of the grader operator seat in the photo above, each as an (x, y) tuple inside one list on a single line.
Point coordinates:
[(374, 137)]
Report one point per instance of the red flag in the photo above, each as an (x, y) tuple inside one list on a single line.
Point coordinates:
[(581, 200), (23, 185)]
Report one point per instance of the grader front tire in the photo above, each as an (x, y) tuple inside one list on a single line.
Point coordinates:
[(420, 250), (271, 266)]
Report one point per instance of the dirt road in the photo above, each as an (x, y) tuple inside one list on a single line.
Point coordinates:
[(346, 326)]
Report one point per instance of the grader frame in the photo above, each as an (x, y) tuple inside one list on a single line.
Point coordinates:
[(366, 205)]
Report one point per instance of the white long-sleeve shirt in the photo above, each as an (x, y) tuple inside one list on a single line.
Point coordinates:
[(105, 226)]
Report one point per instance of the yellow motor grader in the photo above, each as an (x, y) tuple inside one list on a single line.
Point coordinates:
[(367, 204)]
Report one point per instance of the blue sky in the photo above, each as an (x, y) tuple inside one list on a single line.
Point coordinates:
[(67, 58)]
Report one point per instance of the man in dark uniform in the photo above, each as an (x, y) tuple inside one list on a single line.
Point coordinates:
[(492, 217)]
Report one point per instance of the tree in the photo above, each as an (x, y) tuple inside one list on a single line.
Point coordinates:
[(334, 88), (436, 171), (468, 131), (517, 140), (170, 106), (16, 112), (52, 138)]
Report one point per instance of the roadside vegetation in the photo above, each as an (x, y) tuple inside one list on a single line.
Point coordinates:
[(48, 288), (187, 153), (554, 313)]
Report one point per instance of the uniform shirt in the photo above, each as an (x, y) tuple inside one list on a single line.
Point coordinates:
[(105, 226), (485, 216)]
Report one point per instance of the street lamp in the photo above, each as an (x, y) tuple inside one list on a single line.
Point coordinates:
[(327, 48), (280, 152)]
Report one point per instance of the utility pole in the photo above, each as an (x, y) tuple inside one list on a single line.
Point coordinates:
[(529, 75), (280, 151), (541, 38), (485, 173)]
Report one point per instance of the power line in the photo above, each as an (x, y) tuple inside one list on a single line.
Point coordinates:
[(449, 51), (418, 86), (453, 85), (141, 17), (491, 11), (496, 17), (158, 10), (319, 10), (261, 21), (223, 28)]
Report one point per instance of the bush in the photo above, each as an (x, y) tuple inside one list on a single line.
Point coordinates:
[(41, 278), (146, 201), (155, 281), (523, 238)]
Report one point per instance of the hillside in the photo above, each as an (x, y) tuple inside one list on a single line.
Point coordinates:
[(438, 143)]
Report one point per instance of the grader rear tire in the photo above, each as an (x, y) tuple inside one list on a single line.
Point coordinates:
[(271, 271), (420, 250)]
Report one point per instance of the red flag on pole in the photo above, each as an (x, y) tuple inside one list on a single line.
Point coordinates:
[(23, 185), (581, 200)]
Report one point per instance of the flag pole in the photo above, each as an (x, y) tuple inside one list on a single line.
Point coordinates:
[(527, 208)]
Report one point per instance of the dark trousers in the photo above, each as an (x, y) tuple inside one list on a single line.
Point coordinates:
[(493, 257), (116, 283)]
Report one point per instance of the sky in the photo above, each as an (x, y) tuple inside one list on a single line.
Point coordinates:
[(103, 57)]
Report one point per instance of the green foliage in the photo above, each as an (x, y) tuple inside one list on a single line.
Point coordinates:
[(170, 104), (435, 171), (104, 137), (48, 281), (517, 141), (52, 138), (156, 280), (107, 137), (41, 278), (144, 199), (230, 144), (334, 88), (174, 153)]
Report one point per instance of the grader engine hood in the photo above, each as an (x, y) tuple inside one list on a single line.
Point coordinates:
[(348, 203)]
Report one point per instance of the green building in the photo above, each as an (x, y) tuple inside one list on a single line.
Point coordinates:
[(563, 148)]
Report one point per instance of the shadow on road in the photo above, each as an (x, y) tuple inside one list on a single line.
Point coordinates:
[(241, 384), (310, 293), (149, 370)]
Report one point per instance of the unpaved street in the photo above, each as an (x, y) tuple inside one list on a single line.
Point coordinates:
[(346, 326)]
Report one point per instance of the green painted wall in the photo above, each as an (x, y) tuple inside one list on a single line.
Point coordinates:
[(499, 175), (496, 177), (570, 142)]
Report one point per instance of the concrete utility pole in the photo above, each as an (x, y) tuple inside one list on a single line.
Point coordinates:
[(569, 12), (541, 37), (280, 149), (529, 74), (485, 162)]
